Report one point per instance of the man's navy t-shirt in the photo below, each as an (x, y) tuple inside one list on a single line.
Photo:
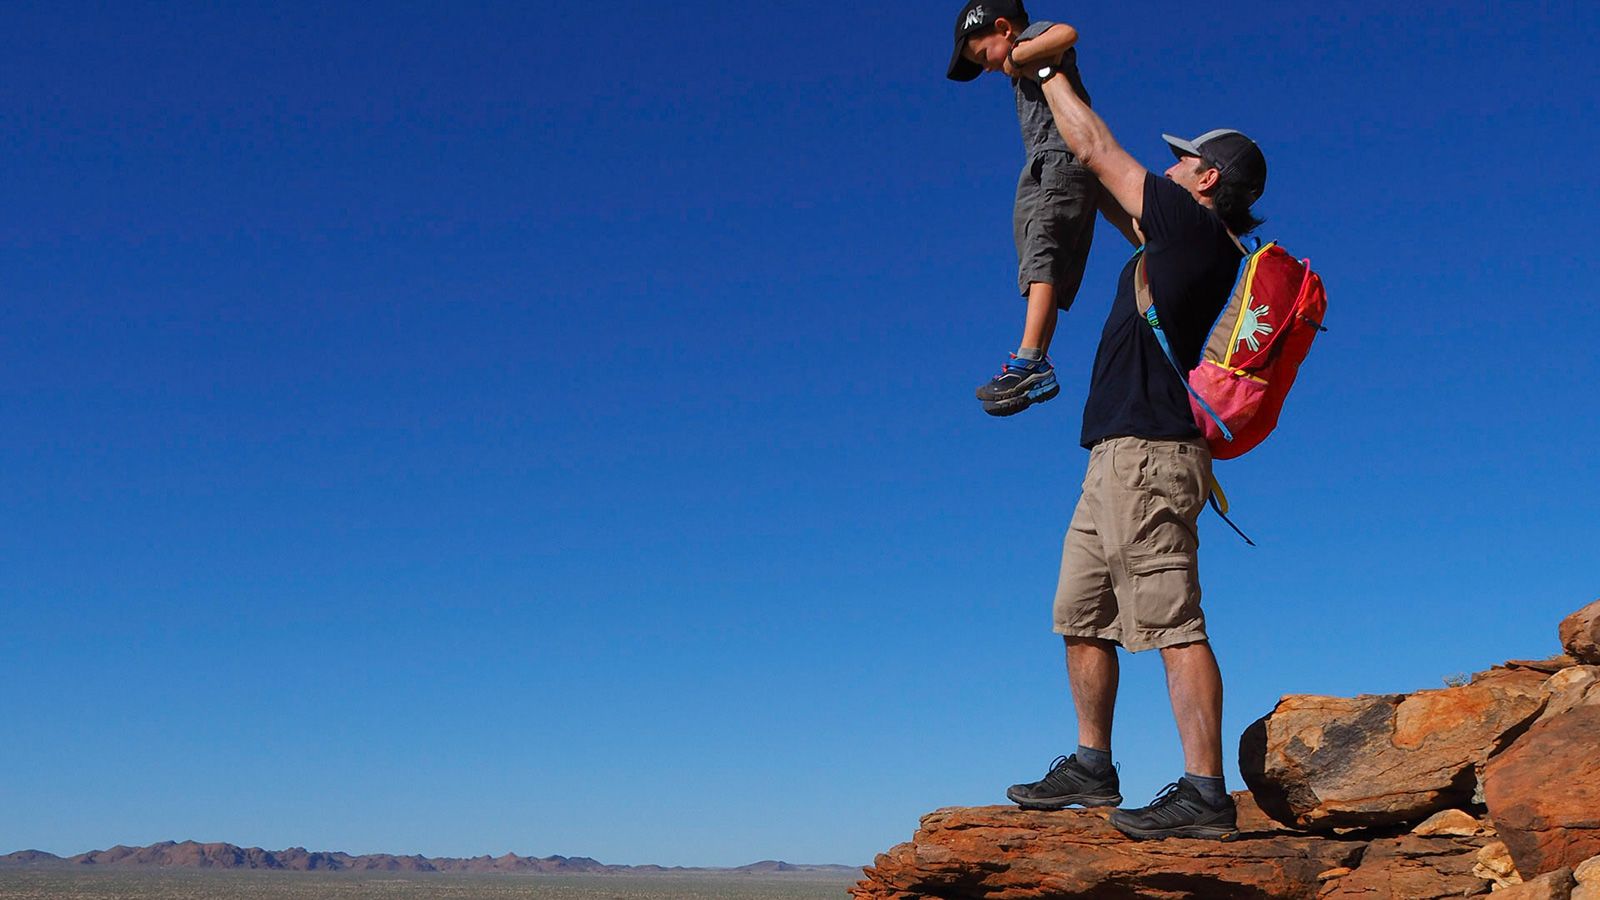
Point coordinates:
[(1192, 264)]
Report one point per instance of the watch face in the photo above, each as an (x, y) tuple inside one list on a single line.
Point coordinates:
[(1046, 72)]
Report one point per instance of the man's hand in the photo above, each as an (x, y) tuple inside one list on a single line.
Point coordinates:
[(1029, 70), (1029, 56)]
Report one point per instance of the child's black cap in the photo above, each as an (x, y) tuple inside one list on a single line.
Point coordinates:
[(976, 16)]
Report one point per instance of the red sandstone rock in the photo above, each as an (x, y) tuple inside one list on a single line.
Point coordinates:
[(1549, 665), (1544, 792), (1413, 868), (1452, 823), (1494, 864), (1527, 734), (1004, 853), (1569, 689), (1555, 885), (1330, 762), (1588, 877), (1253, 820), (1580, 634)]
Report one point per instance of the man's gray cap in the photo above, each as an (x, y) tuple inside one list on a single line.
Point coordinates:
[(1236, 157)]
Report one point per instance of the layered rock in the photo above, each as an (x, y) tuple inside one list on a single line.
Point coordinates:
[(1569, 689), (1544, 792), (1494, 864), (1414, 866), (1002, 852), (1343, 780), (1580, 634), (1334, 762), (1555, 885), (1587, 876), (1452, 823)]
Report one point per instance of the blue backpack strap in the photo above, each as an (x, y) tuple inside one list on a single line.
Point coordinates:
[(1143, 298), (1146, 300)]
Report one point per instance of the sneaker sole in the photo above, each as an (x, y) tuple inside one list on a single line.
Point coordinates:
[(1013, 405), (1030, 385), (1200, 832), (1088, 801)]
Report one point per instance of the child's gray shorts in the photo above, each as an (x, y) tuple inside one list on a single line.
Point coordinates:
[(1054, 223)]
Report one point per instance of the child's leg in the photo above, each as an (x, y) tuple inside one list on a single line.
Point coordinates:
[(1040, 325), (1053, 225), (1029, 378)]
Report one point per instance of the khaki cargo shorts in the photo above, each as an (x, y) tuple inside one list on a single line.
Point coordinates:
[(1129, 566)]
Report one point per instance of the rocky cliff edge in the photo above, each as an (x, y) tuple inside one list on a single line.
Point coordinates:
[(1490, 785)]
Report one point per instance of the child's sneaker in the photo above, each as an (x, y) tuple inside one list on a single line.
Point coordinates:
[(1022, 383)]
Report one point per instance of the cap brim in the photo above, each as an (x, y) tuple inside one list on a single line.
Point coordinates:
[(961, 68), (1181, 147)]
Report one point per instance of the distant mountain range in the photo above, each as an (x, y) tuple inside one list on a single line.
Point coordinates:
[(195, 855)]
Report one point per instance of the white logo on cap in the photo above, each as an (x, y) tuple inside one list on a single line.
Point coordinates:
[(973, 18)]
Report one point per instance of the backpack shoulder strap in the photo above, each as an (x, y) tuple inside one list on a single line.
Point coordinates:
[(1146, 303), (1147, 308), (1142, 298)]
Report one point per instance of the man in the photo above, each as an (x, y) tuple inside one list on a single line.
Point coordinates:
[(1129, 570)]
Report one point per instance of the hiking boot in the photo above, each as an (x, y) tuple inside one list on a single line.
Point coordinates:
[(1179, 811), (1066, 783), (1022, 383)]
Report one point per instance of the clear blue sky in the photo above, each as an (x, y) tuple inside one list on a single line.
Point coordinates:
[(461, 428)]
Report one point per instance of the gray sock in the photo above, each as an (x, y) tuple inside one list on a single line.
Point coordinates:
[(1030, 353), (1098, 762), (1211, 789)]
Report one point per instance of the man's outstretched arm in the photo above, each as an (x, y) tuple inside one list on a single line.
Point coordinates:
[(1091, 141)]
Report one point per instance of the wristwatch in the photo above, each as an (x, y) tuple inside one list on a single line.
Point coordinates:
[(1042, 74)]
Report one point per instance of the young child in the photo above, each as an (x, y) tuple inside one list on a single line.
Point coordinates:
[(1053, 221)]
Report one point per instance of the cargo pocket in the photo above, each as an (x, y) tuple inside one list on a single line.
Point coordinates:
[(1166, 590), (1183, 478), (1070, 186)]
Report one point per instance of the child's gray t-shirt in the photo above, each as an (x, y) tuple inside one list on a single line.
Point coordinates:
[(1039, 132)]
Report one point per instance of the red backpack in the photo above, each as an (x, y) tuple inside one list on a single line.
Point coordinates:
[(1251, 355), (1253, 351)]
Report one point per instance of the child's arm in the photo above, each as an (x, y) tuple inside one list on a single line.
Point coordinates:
[(1046, 48)]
